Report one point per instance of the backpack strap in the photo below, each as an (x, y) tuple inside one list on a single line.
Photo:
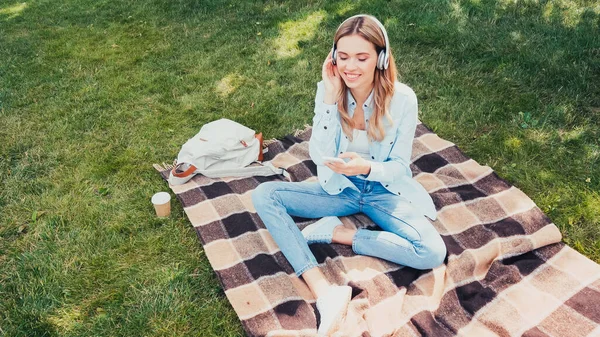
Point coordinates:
[(265, 169), (177, 177), (260, 141), (182, 174)]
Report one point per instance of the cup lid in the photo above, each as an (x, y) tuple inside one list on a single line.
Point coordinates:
[(161, 198)]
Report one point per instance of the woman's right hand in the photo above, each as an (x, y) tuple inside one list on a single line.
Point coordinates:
[(332, 81)]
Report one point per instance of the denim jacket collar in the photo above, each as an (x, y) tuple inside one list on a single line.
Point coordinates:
[(367, 106)]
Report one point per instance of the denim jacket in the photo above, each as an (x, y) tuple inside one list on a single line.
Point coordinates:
[(390, 158)]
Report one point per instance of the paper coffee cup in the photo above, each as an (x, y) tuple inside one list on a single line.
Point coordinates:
[(162, 204)]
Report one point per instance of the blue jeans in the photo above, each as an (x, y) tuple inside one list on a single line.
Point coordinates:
[(408, 238)]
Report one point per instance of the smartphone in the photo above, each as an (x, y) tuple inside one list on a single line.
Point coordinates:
[(334, 159)]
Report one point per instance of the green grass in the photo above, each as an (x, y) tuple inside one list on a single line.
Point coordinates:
[(93, 92)]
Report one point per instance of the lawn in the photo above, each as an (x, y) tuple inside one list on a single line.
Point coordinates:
[(93, 92)]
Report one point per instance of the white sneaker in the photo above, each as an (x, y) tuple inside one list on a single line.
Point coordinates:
[(333, 307), (322, 230)]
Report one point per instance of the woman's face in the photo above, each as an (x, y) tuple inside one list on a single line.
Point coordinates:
[(356, 61)]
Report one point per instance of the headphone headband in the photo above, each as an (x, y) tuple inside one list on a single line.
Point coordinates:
[(383, 60)]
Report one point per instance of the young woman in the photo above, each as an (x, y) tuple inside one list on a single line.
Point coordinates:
[(366, 118)]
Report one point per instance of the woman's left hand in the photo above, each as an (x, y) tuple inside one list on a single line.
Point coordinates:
[(357, 165)]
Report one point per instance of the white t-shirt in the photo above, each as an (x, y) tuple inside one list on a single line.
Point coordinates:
[(360, 144)]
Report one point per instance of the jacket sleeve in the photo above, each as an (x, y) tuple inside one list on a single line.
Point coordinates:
[(397, 165), (325, 129)]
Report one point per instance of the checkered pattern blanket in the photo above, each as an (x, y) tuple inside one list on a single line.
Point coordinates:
[(506, 274)]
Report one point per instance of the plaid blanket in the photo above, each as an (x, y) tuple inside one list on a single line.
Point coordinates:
[(506, 274)]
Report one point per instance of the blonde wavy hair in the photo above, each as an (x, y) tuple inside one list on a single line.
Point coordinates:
[(383, 81)]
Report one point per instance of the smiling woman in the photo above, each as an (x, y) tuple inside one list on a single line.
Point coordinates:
[(358, 90), (357, 52)]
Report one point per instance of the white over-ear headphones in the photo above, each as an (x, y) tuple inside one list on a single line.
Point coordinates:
[(383, 60)]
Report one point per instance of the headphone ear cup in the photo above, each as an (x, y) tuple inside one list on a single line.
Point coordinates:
[(333, 56), (381, 60)]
